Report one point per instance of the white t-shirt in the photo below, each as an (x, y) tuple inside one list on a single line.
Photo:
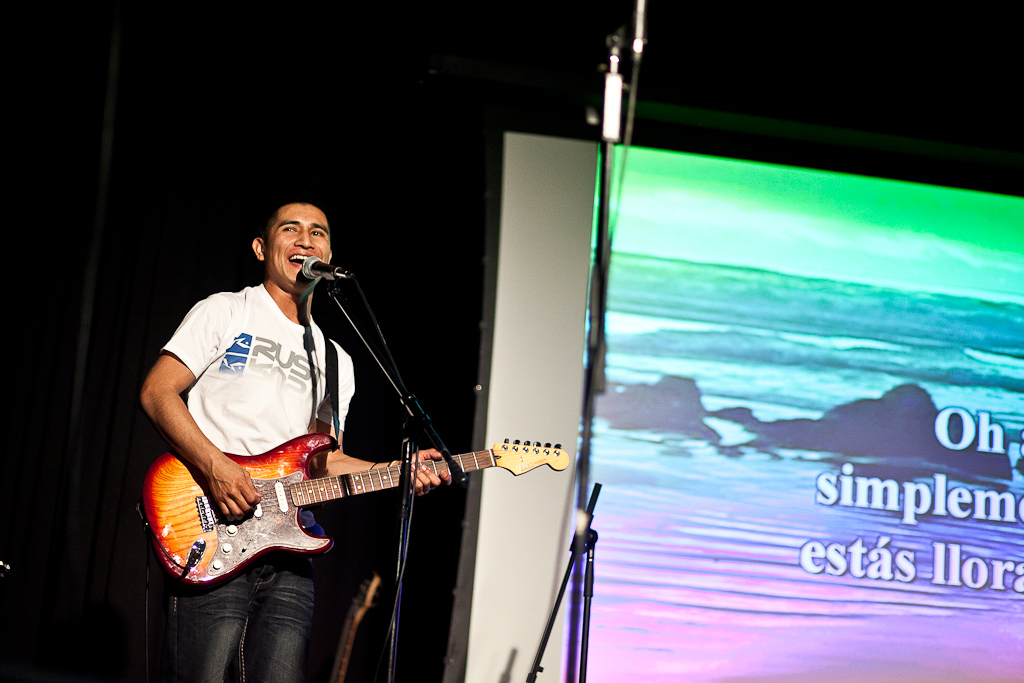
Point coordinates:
[(253, 389)]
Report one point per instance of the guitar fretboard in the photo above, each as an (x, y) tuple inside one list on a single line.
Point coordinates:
[(314, 491)]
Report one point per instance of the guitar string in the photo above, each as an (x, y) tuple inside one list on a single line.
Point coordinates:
[(308, 489)]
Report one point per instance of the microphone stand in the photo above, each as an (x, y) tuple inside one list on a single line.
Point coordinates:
[(416, 423), (589, 541), (594, 378)]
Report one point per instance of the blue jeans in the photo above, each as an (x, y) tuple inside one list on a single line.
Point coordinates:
[(256, 626)]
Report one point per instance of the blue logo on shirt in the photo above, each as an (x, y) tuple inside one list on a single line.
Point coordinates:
[(236, 357)]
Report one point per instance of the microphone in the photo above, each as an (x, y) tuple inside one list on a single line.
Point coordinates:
[(313, 267)]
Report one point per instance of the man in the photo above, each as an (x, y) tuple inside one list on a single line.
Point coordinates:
[(244, 362)]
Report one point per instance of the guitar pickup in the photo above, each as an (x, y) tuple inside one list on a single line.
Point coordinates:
[(282, 499), (207, 518)]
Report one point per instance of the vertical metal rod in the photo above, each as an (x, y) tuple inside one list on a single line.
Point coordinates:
[(409, 448), (588, 596)]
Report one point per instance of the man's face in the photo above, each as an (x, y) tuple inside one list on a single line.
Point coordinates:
[(300, 231)]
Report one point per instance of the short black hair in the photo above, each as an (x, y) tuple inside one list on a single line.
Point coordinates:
[(272, 219)]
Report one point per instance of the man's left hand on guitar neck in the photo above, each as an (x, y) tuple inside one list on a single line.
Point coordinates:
[(337, 463)]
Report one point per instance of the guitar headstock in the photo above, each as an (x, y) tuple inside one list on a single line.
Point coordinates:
[(522, 457)]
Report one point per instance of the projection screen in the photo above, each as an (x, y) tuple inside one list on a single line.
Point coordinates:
[(811, 442)]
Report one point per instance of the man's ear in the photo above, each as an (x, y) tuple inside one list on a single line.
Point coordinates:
[(257, 248)]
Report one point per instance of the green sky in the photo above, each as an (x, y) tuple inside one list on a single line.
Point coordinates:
[(822, 224)]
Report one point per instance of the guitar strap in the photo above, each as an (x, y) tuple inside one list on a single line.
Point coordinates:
[(332, 382), (332, 363), (310, 346)]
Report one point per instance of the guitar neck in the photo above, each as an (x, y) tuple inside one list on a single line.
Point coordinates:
[(315, 491)]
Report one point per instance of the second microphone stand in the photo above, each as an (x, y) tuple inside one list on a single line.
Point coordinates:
[(578, 547)]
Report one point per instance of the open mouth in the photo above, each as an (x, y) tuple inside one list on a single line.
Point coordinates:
[(297, 259)]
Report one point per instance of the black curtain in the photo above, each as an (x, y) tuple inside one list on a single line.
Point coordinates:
[(212, 121)]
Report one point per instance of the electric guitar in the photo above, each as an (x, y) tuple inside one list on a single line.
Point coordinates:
[(195, 545), (360, 606)]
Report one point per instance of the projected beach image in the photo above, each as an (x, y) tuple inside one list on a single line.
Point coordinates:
[(810, 440)]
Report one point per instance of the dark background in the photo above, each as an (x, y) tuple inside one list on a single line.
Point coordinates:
[(148, 144)]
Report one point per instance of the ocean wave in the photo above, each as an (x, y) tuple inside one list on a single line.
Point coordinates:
[(629, 324), (999, 359), (842, 343)]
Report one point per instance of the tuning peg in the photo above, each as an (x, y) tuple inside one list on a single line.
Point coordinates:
[(558, 446), (547, 445), (516, 442), (506, 440)]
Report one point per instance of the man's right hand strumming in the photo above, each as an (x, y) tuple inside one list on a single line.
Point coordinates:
[(230, 486)]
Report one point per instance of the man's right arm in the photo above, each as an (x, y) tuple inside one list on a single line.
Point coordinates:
[(229, 484)]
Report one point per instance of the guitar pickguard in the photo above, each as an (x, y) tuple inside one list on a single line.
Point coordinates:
[(274, 525)]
